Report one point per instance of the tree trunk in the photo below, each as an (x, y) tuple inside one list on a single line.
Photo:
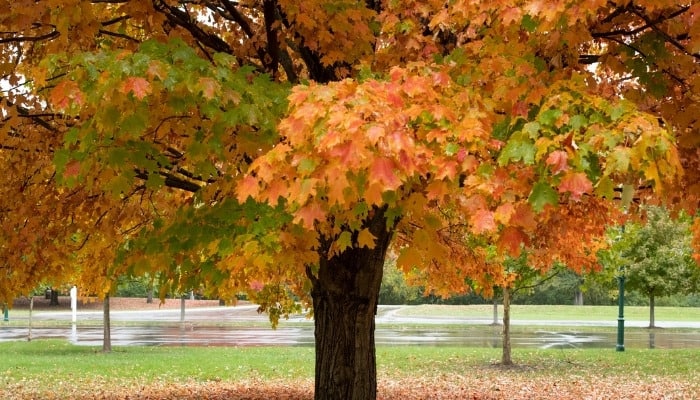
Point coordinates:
[(149, 295), (578, 297), (506, 357), (31, 308), (652, 322), (107, 338), (495, 311), (345, 293), (182, 308), (54, 298)]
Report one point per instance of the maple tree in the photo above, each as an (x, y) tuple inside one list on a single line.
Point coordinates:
[(655, 256), (278, 147)]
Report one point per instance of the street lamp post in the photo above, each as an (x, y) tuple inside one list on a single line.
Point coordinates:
[(621, 314)]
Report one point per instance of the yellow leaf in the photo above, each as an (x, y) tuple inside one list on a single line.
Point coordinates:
[(366, 239)]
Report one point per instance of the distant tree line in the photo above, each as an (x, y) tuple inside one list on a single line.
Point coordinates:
[(559, 290)]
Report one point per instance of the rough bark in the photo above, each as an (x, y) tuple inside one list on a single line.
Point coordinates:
[(506, 357), (345, 294), (107, 333)]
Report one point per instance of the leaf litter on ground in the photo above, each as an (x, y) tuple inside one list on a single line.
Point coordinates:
[(496, 386)]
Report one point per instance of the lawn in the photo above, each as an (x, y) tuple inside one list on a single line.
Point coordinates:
[(553, 313), (57, 369)]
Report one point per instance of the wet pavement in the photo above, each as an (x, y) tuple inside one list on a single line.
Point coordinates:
[(163, 327)]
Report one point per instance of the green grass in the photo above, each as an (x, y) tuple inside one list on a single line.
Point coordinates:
[(552, 313), (48, 362), (52, 361)]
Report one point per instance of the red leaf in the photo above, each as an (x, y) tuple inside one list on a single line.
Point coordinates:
[(72, 169), (520, 109), (558, 161), (577, 184), (382, 171)]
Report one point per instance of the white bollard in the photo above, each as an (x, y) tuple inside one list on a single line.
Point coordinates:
[(74, 302)]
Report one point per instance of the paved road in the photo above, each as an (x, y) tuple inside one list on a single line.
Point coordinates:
[(385, 315)]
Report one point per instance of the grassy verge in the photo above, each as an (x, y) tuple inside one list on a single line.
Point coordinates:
[(51, 361), (551, 313), (67, 371)]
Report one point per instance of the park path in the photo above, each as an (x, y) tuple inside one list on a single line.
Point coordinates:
[(242, 326)]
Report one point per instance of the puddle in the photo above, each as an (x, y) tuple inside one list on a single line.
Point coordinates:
[(195, 335)]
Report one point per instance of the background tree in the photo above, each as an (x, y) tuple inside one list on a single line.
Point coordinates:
[(655, 256)]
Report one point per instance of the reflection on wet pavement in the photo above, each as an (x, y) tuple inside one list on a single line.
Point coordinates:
[(486, 336), (203, 327)]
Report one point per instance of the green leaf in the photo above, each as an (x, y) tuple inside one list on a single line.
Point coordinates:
[(118, 185), (72, 136), (618, 160), (617, 112), (155, 181), (517, 149), (528, 23), (501, 130), (627, 195), (532, 129), (549, 117), (578, 121), (605, 188), (451, 149), (307, 166), (541, 195), (344, 241), (134, 124), (117, 156)]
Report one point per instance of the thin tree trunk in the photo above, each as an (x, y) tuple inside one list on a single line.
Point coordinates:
[(345, 293), (495, 311), (107, 338), (652, 322), (506, 357), (578, 297), (149, 296), (182, 308), (31, 308)]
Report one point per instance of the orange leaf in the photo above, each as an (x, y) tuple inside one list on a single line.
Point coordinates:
[(63, 94), (136, 85), (308, 214), (483, 222), (511, 240), (365, 239), (248, 187)]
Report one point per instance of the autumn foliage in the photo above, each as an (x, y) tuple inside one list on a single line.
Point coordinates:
[(253, 145)]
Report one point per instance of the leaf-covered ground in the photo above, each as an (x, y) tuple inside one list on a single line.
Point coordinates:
[(495, 386)]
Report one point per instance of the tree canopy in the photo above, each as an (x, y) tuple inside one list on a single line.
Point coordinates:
[(278, 147), (655, 256)]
